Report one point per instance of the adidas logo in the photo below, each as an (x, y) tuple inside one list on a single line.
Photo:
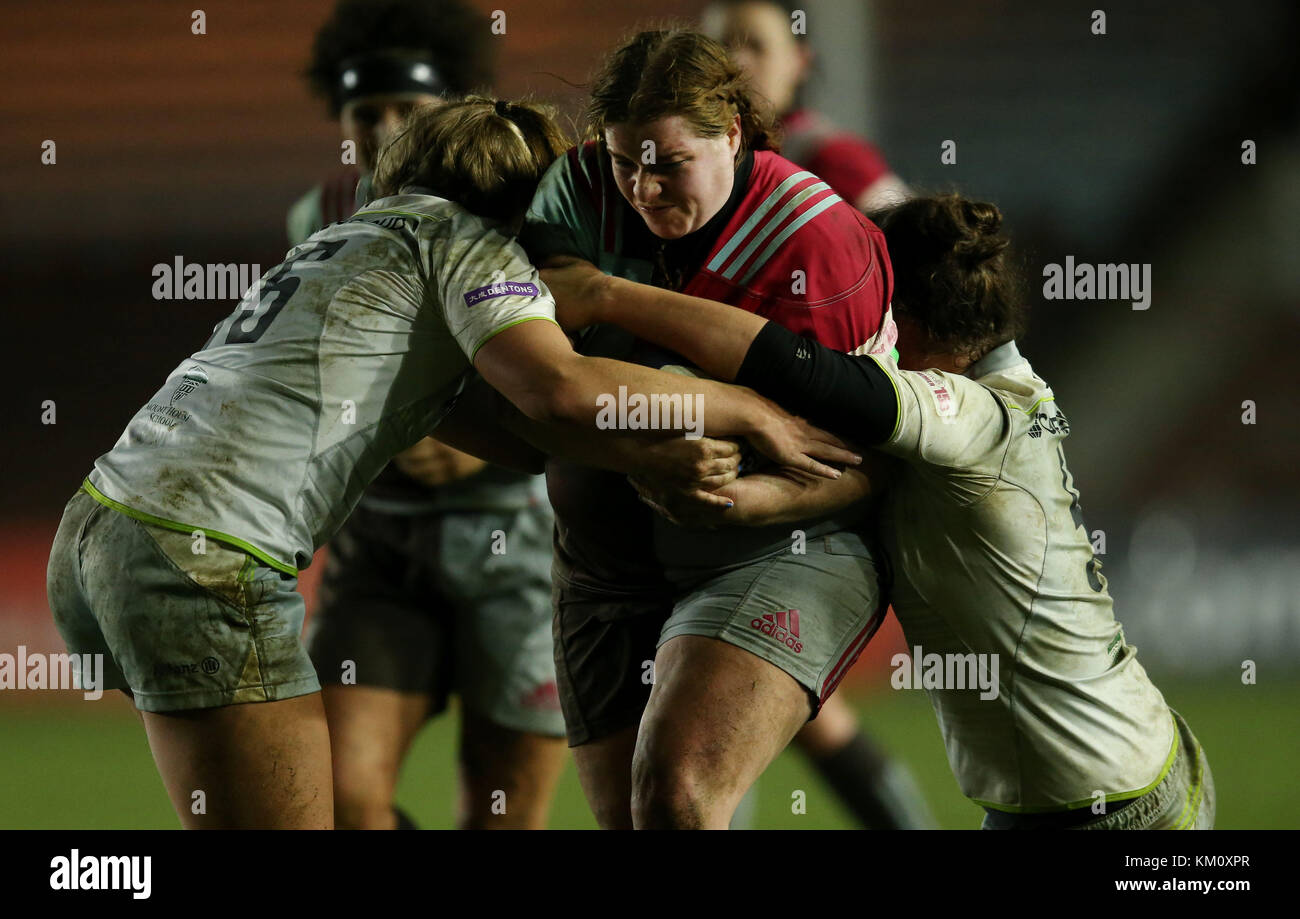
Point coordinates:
[(783, 626), (1036, 431)]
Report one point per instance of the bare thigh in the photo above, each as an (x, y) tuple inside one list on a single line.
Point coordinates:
[(507, 777), (371, 730), (260, 765), (718, 715), (605, 771)]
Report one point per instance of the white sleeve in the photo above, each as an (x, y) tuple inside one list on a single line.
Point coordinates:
[(486, 285), (950, 425)]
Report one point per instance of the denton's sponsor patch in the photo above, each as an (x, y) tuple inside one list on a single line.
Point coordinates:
[(504, 289)]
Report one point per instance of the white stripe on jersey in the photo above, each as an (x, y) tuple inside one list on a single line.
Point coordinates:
[(754, 219), (792, 228)]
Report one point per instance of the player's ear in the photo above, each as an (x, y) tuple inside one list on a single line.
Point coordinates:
[(735, 135)]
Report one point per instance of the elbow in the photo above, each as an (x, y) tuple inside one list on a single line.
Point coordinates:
[(559, 403)]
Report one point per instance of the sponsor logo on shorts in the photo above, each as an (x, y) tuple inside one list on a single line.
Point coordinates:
[(504, 289), (208, 665), (783, 626)]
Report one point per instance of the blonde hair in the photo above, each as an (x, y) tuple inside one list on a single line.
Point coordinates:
[(485, 154), (677, 71)]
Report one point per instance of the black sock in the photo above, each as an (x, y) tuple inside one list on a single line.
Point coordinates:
[(404, 821), (877, 789)]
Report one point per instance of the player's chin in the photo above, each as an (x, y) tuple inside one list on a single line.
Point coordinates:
[(666, 223)]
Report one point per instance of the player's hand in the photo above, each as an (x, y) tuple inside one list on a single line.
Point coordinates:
[(791, 441), (579, 289), (694, 509), (692, 467), (433, 463)]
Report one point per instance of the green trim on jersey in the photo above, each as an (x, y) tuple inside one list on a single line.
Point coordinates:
[(1030, 410), (898, 400), (510, 325), (1118, 796), (150, 519), (393, 210)]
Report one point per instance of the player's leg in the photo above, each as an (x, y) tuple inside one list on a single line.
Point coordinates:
[(605, 772), (507, 777), (877, 788), (604, 664), (767, 643), (717, 717), (382, 656), (207, 640), (371, 730), (256, 766), (494, 567)]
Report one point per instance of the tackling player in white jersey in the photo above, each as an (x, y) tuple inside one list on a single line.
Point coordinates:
[(1048, 718), (177, 560)]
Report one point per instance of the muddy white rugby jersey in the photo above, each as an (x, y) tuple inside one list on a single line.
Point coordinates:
[(991, 557), (349, 351)]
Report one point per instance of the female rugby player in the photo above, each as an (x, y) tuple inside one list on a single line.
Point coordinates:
[(407, 614), (680, 189), (178, 558), (778, 60), (982, 523)]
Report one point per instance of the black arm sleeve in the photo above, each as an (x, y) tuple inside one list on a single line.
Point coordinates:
[(847, 395)]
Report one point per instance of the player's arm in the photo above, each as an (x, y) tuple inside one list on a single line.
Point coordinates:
[(533, 365), (844, 393), (767, 498), (485, 425)]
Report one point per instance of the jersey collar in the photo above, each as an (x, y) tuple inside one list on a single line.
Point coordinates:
[(1000, 358)]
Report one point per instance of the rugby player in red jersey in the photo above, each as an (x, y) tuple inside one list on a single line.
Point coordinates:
[(762, 38), (982, 522), (655, 625)]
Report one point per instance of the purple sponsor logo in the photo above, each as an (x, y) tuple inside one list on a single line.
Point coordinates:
[(504, 289)]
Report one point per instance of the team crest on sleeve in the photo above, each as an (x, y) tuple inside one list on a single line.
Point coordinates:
[(944, 405), (504, 289)]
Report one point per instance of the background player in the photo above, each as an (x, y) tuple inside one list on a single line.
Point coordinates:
[(778, 62), (177, 560), (419, 599), (982, 524)]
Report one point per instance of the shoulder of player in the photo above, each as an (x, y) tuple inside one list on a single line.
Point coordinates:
[(800, 204), (582, 165), (806, 225)]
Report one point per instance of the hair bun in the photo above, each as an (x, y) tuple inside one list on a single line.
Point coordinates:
[(979, 225)]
